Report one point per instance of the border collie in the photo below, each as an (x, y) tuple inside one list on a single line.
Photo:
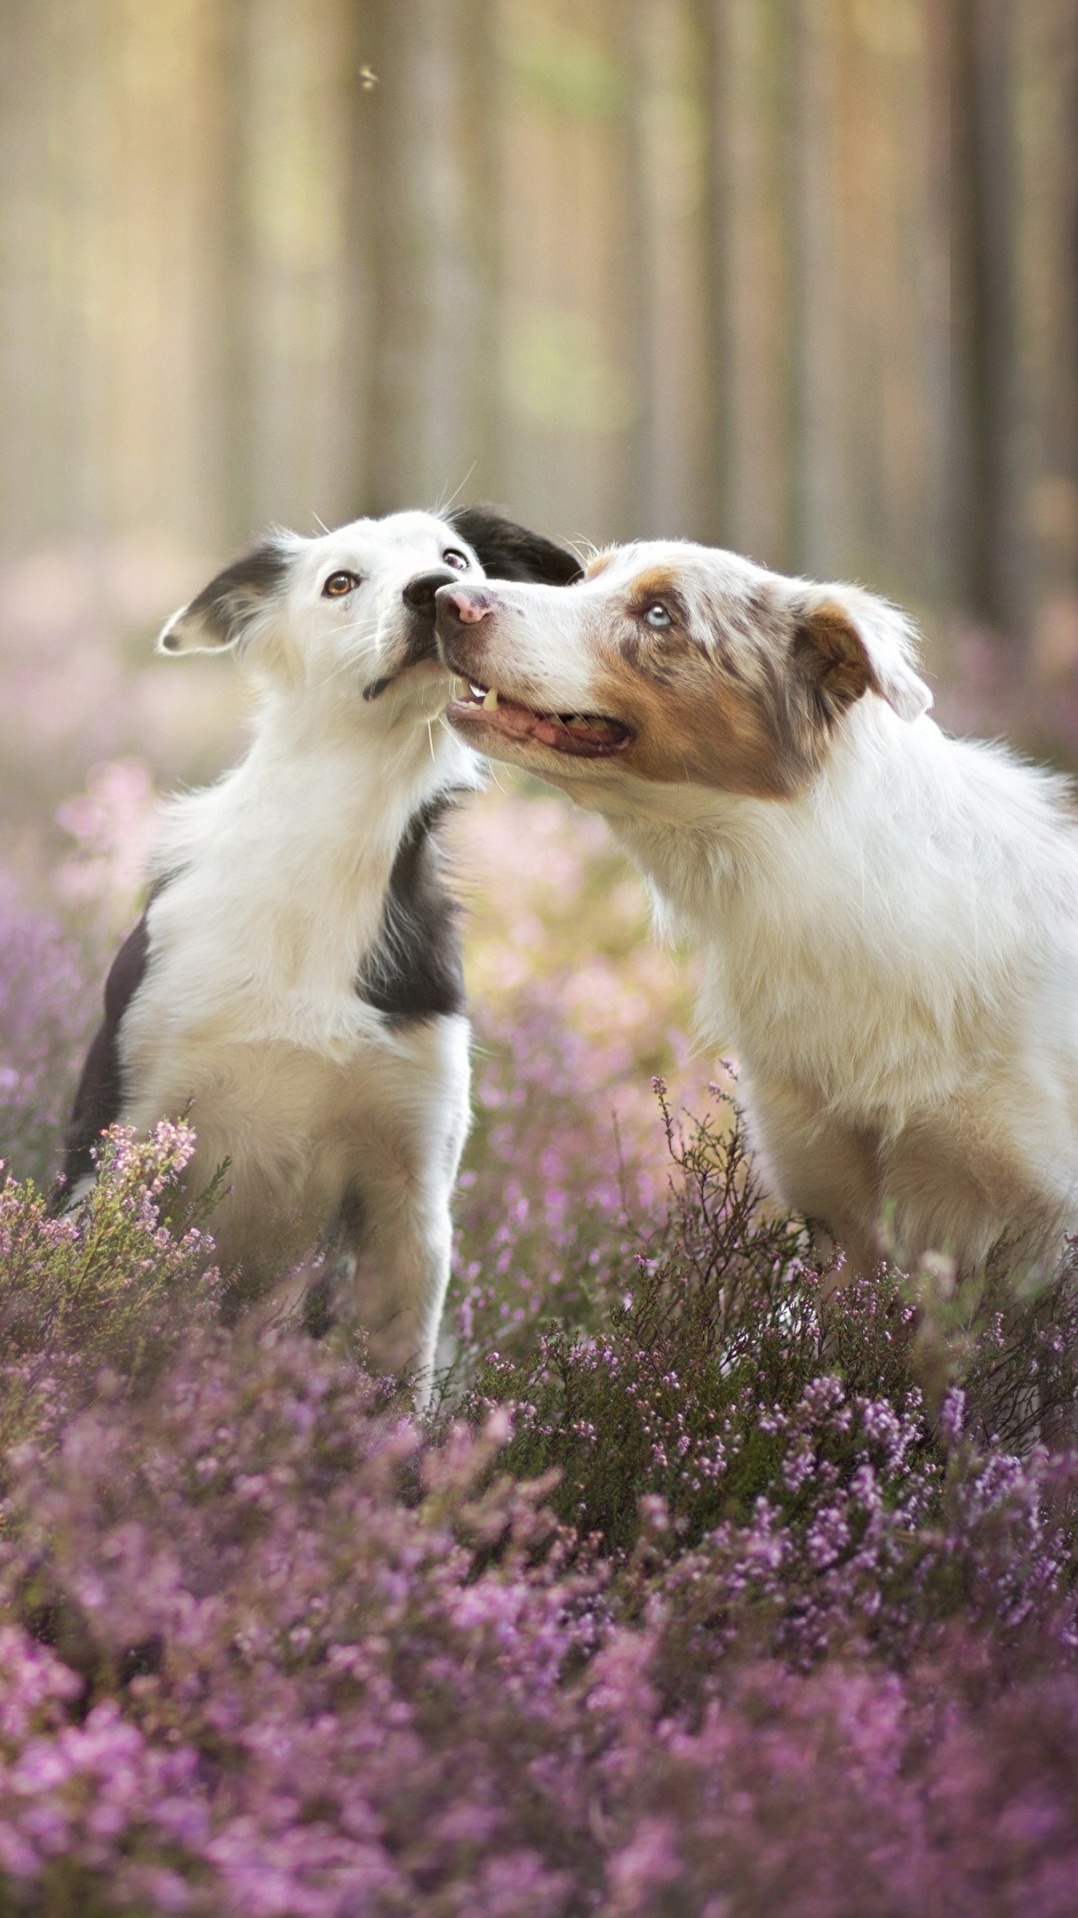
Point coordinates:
[(888, 917), (295, 979)]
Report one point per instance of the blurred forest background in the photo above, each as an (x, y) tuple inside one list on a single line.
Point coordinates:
[(795, 276), (799, 276)]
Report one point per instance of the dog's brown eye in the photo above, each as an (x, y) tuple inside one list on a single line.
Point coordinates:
[(338, 584), (657, 615), (458, 561)]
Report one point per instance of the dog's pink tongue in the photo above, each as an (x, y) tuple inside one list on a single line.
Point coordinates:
[(521, 723), (550, 731)]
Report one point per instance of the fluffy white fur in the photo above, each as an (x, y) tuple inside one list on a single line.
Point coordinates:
[(889, 919), (272, 887)]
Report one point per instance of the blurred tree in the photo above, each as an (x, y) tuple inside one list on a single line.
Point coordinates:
[(571, 286), (748, 105), (670, 472), (988, 546), (432, 248), (796, 275), (294, 398), (1014, 223)]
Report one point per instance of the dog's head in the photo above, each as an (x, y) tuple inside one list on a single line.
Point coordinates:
[(353, 610), (673, 663)]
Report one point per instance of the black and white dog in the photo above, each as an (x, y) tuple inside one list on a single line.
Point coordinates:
[(296, 976)]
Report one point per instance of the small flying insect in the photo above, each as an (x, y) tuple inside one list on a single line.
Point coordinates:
[(368, 79)]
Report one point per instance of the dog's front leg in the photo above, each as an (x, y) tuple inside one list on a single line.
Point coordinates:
[(820, 1167), (396, 1232), (397, 1271)]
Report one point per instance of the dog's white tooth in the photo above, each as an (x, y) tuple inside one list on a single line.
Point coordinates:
[(490, 702)]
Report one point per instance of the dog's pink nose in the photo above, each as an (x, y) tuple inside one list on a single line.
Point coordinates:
[(468, 607)]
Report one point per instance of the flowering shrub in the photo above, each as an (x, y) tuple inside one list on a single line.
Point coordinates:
[(576, 1010), (79, 682), (45, 1018), (687, 1606), (110, 828), (92, 1301), (703, 1594)]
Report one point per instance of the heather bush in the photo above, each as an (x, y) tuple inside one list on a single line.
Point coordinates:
[(776, 1465), (45, 1017), (102, 1297), (79, 683), (708, 1591), (269, 1647), (51, 972)]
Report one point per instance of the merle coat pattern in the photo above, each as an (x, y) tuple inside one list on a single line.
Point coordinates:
[(887, 917)]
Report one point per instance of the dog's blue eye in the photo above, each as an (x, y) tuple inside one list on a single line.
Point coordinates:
[(338, 584), (657, 616), (458, 561)]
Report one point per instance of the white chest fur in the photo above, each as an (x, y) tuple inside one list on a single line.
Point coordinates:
[(893, 958)]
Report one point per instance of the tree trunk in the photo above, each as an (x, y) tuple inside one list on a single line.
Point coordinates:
[(433, 207)]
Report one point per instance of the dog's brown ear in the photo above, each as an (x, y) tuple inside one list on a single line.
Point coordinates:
[(847, 642), (224, 612), (508, 551)]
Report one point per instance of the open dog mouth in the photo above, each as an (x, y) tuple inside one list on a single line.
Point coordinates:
[(581, 735)]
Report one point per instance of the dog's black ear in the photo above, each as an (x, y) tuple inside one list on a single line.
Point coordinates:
[(224, 611), (509, 551)]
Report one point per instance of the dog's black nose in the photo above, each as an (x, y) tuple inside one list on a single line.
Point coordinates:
[(419, 592)]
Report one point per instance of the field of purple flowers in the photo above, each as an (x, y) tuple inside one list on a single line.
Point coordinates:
[(698, 1596)]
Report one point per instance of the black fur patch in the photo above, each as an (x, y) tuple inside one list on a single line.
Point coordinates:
[(236, 594), (99, 1099), (415, 970), (509, 551)]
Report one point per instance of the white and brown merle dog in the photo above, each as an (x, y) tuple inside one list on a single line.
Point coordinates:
[(295, 980), (888, 917)]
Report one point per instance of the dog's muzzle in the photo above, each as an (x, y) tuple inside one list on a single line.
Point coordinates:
[(419, 642), (420, 598)]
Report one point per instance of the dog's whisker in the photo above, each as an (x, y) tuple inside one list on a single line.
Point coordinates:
[(353, 659), (446, 500)]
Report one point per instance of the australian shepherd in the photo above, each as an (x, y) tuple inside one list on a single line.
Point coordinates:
[(888, 917)]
